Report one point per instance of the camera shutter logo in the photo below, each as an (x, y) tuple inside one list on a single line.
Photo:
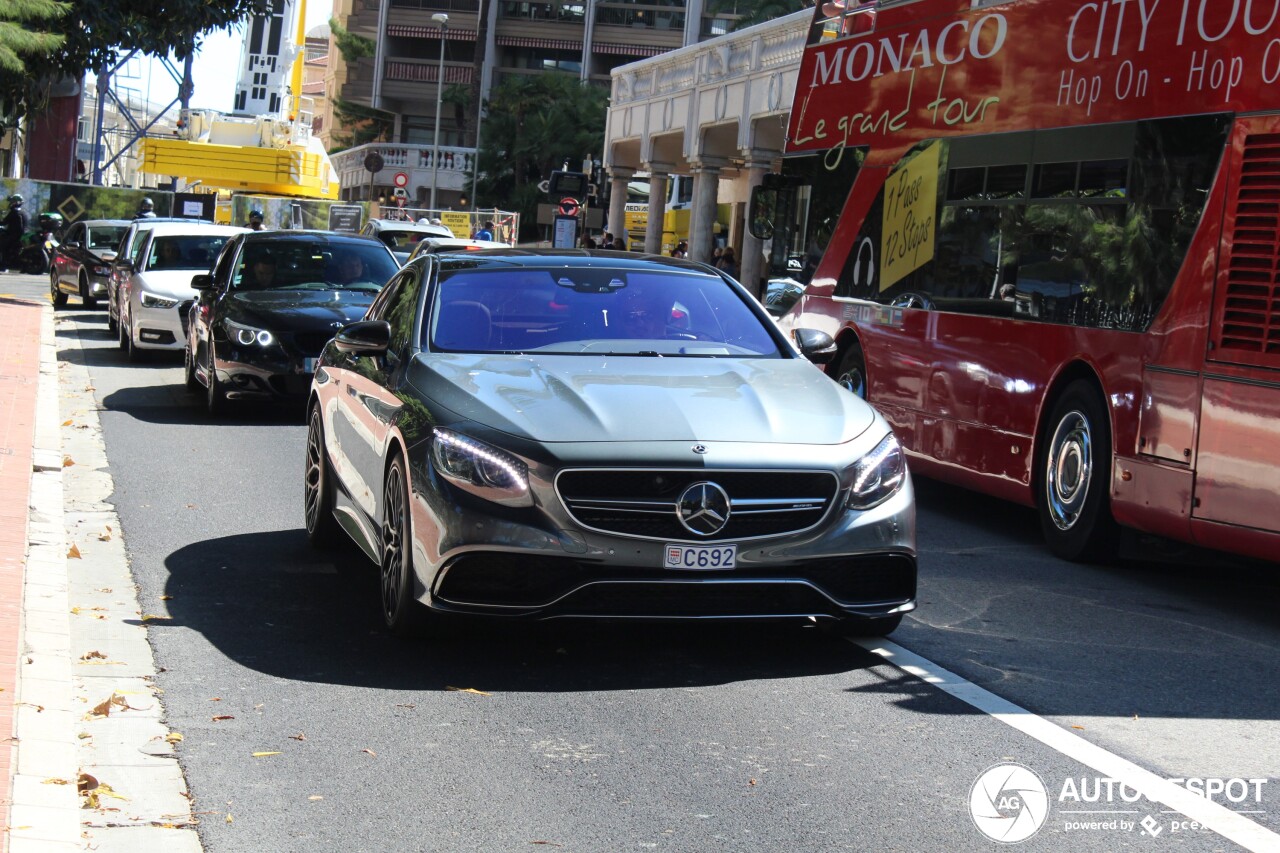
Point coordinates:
[(1009, 803)]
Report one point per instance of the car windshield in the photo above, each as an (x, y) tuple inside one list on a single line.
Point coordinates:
[(106, 236), (184, 251), (401, 239), (318, 265), (595, 311)]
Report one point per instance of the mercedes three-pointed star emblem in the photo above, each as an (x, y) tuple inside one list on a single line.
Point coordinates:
[(703, 509)]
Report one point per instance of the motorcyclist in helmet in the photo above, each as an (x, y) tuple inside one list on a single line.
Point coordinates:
[(15, 226), (146, 210), (255, 219)]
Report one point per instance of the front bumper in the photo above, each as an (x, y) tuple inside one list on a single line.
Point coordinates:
[(542, 565), (159, 328), (97, 285), (251, 373)]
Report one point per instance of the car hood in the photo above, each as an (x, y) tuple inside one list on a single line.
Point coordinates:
[(300, 309), (175, 283), (565, 398)]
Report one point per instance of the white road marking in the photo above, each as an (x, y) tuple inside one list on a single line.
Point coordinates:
[(1225, 822)]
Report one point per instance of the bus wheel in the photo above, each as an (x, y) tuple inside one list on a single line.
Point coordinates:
[(1075, 472), (852, 372)]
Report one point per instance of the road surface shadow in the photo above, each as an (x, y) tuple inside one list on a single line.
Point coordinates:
[(271, 603)]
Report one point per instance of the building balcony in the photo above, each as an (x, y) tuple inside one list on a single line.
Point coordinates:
[(452, 174)]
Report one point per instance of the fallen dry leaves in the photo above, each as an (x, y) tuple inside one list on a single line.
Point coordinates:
[(73, 553), (103, 709), (265, 754), (467, 690), (91, 791), (217, 717)]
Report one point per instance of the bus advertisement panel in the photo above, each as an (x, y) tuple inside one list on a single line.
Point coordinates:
[(1045, 235)]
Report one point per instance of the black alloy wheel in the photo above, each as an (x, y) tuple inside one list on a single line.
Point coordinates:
[(1075, 476), (317, 486), (57, 296), (403, 615)]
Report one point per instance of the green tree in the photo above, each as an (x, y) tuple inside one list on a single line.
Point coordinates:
[(533, 123), (352, 47), (752, 12), (360, 124), (103, 31), (18, 40)]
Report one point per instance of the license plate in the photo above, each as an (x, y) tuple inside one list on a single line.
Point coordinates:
[(309, 365), (700, 557)]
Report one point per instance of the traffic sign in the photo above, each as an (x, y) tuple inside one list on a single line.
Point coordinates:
[(401, 179), (543, 186), (373, 162), (569, 207)]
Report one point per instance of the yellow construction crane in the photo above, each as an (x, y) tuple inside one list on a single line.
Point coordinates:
[(266, 145)]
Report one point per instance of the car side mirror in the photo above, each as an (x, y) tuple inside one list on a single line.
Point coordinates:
[(204, 281), (365, 337), (818, 347), (125, 267)]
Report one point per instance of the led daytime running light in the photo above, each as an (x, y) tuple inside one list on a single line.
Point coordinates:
[(514, 471), (878, 475)]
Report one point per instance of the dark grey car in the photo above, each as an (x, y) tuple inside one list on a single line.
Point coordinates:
[(581, 434)]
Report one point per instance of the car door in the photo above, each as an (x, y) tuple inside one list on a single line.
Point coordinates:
[(366, 403), (64, 262), (204, 313)]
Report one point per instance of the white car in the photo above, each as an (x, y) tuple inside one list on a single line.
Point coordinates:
[(157, 293)]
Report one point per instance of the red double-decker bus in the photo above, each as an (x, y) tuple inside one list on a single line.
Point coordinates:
[(1045, 235)]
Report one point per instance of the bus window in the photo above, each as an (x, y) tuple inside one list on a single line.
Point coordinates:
[(1094, 241), (818, 198)]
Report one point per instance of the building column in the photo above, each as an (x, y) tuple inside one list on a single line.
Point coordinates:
[(659, 187), (617, 224), (751, 265), (706, 188)]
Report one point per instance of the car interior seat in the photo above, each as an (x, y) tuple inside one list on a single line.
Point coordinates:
[(464, 325)]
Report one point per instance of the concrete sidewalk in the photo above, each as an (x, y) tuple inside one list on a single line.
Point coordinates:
[(67, 641)]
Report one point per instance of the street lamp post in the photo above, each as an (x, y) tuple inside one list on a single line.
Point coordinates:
[(443, 20)]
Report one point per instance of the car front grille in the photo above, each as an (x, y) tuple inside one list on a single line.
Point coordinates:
[(644, 503), (311, 343)]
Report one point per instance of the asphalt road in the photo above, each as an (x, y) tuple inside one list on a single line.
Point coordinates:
[(653, 737)]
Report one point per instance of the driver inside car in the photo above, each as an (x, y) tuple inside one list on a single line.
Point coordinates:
[(641, 317)]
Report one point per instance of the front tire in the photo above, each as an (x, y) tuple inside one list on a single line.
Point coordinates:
[(317, 487), (90, 302), (215, 400), (852, 372), (1075, 475), (404, 616), (58, 298)]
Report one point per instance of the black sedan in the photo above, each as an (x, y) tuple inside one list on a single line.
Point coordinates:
[(271, 303), (81, 266), (570, 434)]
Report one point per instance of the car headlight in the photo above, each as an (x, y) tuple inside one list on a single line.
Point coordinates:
[(878, 475), (102, 270), (248, 335), (481, 469), (150, 300)]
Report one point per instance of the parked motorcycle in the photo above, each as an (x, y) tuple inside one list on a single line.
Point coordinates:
[(36, 253)]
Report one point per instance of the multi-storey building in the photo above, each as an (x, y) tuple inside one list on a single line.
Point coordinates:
[(588, 38)]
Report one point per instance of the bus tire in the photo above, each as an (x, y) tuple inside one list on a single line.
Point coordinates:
[(851, 373), (1074, 479)]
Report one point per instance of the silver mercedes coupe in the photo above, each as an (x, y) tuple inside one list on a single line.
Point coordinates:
[(574, 434)]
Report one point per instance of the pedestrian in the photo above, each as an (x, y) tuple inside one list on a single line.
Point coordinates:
[(146, 210), (588, 242), (681, 250), (15, 227), (619, 245), (255, 220), (485, 232), (716, 252), (728, 263)]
